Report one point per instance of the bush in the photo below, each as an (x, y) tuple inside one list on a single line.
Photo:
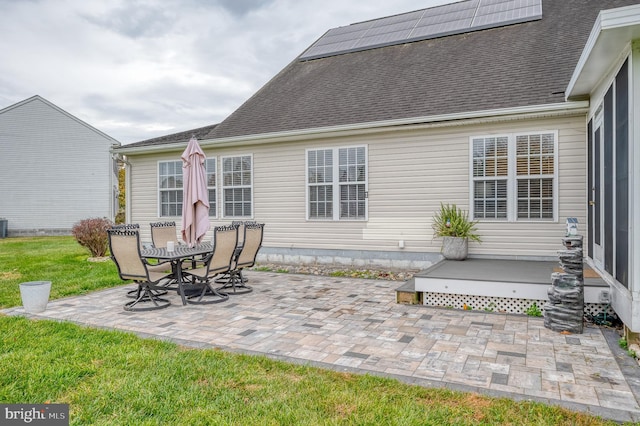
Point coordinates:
[(452, 221), (92, 234)]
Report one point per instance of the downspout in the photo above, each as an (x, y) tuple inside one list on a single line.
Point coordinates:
[(127, 188), (113, 189)]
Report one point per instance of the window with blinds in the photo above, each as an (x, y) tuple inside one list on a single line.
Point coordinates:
[(352, 168), (320, 183), (337, 183), (490, 174), (535, 169), (514, 176)]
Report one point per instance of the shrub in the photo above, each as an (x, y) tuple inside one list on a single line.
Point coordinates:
[(92, 234), (451, 221)]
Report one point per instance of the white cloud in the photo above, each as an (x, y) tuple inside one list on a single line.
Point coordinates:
[(144, 68)]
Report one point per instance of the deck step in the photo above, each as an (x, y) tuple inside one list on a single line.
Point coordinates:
[(407, 294)]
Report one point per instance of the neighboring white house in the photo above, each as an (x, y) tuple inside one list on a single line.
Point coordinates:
[(55, 169), (348, 151)]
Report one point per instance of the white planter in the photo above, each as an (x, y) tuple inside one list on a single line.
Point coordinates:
[(35, 295), (455, 248)]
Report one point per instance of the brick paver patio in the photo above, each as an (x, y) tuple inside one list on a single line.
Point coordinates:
[(356, 325)]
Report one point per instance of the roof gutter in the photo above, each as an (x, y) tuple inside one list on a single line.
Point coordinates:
[(546, 110)]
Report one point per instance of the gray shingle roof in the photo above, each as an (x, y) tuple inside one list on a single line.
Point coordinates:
[(518, 65), (199, 133)]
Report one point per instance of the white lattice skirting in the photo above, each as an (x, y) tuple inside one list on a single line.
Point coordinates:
[(498, 304)]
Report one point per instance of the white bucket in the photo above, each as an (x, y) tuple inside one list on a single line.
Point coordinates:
[(35, 295)]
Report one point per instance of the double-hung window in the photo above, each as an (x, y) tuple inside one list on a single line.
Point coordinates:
[(490, 177), (337, 183), (210, 166), (237, 186), (535, 175), (170, 187), (320, 183), (514, 176)]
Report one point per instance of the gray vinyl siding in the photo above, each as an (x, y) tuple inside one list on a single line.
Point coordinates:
[(55, 170), (409, 173)]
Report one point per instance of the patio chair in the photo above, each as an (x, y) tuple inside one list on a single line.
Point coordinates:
[(155, 268), (245, 258), (240, 224), (126, 226), (163, 232), (124, 245), (225, 240)]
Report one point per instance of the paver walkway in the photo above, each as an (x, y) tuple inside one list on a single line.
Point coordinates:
[(356, 325)]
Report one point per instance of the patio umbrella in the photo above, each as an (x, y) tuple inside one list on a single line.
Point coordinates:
[(195, 202)]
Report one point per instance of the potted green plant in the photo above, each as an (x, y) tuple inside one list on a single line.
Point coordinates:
[(452, 224)]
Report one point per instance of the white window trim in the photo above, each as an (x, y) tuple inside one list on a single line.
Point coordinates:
[(223, 187), (307, 186), (160, 190), (217, 187), (512, 178), (335, 183)]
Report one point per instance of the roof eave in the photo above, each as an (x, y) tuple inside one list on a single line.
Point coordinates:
[(563, 108), (612, 32)]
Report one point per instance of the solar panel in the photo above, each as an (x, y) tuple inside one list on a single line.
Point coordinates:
[(455, 18)]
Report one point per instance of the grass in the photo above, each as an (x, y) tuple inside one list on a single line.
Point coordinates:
[(60, 260), (111, 377)]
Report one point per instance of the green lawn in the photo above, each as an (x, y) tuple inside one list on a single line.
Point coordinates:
[(60, 260), (110, 377)]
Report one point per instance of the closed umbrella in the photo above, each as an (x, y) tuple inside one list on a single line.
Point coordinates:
[(195, 202)]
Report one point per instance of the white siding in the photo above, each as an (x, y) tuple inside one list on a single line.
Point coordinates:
[(410, 172), (54, 169)]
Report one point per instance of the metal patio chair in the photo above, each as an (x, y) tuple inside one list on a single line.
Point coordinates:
[(155, 268), (163, 232), (225, 240), (244, 258), (241, 224), (124, 245)]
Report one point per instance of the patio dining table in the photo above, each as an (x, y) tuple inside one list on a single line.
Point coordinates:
[(180, 253)]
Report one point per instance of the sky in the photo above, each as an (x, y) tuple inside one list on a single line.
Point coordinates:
[(139, 69)]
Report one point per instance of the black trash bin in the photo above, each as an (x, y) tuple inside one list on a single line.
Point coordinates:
[(4, 223)]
